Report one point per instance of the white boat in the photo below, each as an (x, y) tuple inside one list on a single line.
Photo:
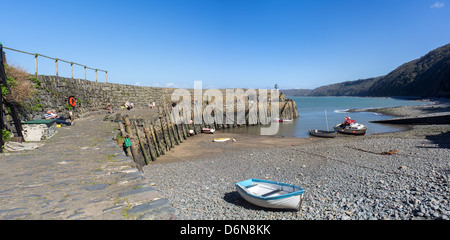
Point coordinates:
[(221, 139), (283, 120), (208, 130), (270, 194), (351, 127)]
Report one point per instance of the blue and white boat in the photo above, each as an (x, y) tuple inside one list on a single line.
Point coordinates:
[(270, 194)]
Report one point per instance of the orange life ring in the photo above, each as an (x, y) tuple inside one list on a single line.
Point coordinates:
[(72, 101)]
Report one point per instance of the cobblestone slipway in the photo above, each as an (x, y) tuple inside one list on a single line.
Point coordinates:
[(80, 173)]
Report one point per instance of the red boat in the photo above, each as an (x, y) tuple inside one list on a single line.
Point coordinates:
[(208, 130)]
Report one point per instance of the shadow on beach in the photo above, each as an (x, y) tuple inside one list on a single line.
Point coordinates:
[(442, 140), (236, 199)]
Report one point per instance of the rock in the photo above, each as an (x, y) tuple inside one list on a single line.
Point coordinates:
[(158, 206), (95, 187)]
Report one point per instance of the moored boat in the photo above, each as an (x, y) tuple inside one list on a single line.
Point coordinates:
[(271, 194), (208, 130), (283, 120), (351, 127), (322, 133)]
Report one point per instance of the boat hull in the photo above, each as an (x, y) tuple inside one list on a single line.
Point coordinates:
[(283, 120), (350, 131), (221, 139), (208, 130), (322, 133), (270, 194)]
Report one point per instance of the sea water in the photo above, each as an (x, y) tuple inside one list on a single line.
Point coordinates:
[(315, 111)]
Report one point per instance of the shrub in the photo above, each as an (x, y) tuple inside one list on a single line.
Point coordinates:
[(6, 135), (20, 86)]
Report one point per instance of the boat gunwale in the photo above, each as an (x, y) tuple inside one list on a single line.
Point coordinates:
[(291, 194), (321, 131)]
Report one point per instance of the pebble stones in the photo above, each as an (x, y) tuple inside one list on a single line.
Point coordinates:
[(342, 184)]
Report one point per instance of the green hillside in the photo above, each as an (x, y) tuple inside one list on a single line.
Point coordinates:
[(428, 76)]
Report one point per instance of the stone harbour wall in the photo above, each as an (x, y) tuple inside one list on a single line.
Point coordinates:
[(53, 93)]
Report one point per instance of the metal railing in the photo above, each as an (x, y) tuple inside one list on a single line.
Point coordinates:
[(36, 55)]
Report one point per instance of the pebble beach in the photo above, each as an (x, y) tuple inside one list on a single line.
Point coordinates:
[(344, 178)]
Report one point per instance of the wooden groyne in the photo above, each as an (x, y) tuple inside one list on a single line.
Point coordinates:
[(146, 139)]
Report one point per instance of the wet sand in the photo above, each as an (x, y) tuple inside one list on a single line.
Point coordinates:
[(202, 145)]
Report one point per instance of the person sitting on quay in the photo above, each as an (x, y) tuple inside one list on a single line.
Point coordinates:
[(51, 114), (129, 105), (109, 108)]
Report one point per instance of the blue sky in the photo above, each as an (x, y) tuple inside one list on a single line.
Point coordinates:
[(225, 43)]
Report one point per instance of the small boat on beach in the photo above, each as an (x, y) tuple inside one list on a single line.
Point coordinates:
[(322, 133), (271, 194), (221, 139), (208, 130), (350, 127)]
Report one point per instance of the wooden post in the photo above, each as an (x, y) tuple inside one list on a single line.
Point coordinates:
[(158, 139), (141, 143), (155, 141), (134, 149), (176, 130), (36, 64), (185, 131), (170, 132), (71, 69), (163, 130), (96, 75), (150, 142), (170, 129), (84, 72), (106, 73), (56, 64)]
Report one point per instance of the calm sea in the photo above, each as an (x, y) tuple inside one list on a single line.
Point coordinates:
[(312, 115)]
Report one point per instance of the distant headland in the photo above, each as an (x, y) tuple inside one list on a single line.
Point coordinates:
[(428, 76)]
